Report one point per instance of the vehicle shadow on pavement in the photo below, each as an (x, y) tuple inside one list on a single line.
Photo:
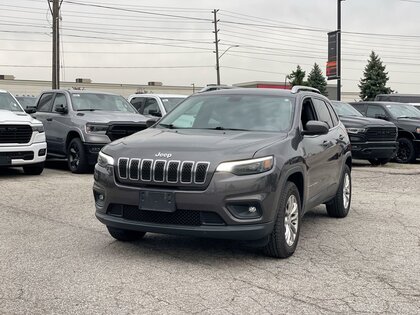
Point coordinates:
[(60, 164), (6, 172)]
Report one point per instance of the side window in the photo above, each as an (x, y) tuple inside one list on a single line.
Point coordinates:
[(323, 112), (60, 99), (138, 102), (151, 107), (45, 103), (361, 108), (333, 114), (374, 111), (308, 112)]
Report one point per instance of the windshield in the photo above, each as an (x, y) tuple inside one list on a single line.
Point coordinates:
[(232, 112), (7, 102), (344, 109), (403, 111), (26, 101), (99, 101), (170, 102)]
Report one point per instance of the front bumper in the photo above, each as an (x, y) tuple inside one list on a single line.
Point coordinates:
[(372, 150), (224, 191), (24, 154)]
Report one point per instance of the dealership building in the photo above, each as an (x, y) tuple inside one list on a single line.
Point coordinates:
[(35, 87)]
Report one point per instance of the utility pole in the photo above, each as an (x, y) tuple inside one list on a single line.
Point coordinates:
[(216, 41), (55, 43), (339, 49)]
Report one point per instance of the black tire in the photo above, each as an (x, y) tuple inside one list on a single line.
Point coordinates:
[(76, 157), (377, 161), (406, 152), (34, 169), (337, 207), (278, 246), (125, 235)]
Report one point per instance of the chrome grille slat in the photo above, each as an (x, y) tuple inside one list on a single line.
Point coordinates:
[(163, 171)]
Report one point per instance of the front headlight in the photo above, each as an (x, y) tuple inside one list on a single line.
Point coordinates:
[(418, 130), (39, 128), (355, 130), (96, 128), (105, 160), (247, 167)]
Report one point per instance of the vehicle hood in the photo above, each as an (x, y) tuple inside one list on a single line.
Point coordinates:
[(9, 117), (108, 116), (192, 144), (410, 121), (364, 122)]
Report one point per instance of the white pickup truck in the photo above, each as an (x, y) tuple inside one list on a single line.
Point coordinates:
[(22, 138)]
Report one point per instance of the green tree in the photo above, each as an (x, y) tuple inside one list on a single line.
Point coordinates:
[(297, 77), (374, 80), (317, 80)]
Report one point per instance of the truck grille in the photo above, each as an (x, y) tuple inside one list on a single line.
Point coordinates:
[(15, 133), (118, 131), (162, 171), (381, 134), (179, 217), (21, 155)]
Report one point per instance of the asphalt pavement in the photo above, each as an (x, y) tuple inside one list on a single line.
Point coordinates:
[(55, 257)]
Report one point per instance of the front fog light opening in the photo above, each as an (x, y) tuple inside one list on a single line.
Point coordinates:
[(245, 210), (99, 198)]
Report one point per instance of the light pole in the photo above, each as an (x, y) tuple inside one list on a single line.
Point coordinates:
[(339, 49), (218, 64)]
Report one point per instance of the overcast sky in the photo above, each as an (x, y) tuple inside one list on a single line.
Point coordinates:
[(172, 41)]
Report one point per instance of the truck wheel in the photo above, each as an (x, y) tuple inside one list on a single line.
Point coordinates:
[(76, 157), (125, 235), (339, 206), (34, 169), (376, 162), (285, 235), (406, 152)]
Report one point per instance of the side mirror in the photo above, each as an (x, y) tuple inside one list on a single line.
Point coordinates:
[(155, 112), (61, 109), (150, 122), (381, 117), (30, 109), (315, 128)]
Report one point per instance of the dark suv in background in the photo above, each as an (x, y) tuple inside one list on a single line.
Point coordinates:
[(79, 123), (247, 165), (407, 120), (371, 139)]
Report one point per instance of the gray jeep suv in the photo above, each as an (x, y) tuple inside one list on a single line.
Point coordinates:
[(79, 123), (241, 164)]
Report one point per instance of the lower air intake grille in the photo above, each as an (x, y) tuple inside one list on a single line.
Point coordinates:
[(179, 217)]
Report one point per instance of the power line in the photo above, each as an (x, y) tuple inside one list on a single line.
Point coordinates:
[(107, 67)]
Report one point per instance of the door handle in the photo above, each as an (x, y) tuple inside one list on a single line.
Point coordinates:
[(341, 137), (49, 119), (326, 143)]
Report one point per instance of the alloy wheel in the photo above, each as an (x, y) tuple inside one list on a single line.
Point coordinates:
[(346, 191), (291, 220)]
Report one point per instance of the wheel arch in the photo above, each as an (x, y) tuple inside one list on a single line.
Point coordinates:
[(405, 134), (71, 135)]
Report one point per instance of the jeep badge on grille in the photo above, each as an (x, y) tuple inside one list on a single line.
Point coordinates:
[(163, 155)]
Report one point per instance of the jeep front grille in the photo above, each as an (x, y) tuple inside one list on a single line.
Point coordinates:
[(162, 171)]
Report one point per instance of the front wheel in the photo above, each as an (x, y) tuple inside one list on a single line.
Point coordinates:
[(339, 206), (76, 157), (285, 235), (125, 235), (406, 152), (34, 169)]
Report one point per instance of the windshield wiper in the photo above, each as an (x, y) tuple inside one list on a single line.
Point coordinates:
[(88, 109), (223, 128)]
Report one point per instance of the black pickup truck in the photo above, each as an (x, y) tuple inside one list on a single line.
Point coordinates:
[(371, 139)]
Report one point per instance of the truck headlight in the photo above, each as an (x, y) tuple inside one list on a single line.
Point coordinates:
[(105, 160), (247, 167), (96, 128), (355, 130), (39, 128), (418, 130)]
